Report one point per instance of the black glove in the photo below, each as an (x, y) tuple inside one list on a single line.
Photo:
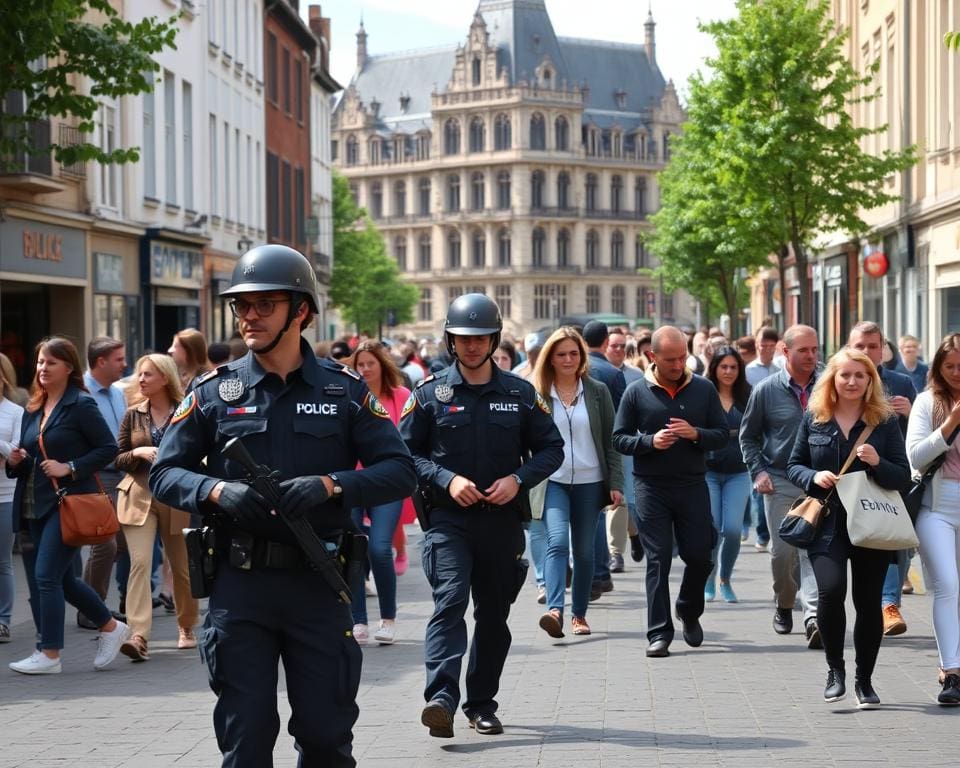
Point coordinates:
[(301, 494), (243, 503)]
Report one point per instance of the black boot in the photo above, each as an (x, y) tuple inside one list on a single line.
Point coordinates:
[(836, 685), (866, 697)]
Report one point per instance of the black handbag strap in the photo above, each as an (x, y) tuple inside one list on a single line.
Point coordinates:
[(53, 480)]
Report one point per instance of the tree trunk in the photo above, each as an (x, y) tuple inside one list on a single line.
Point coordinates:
[(782, 274), (805, 307)]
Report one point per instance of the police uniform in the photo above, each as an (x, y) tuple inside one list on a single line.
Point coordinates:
[(321, 420), (483, 433)]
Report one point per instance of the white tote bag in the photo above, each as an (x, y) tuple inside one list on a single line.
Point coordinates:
[(876, 518)]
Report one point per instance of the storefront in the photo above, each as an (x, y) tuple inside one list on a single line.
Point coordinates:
[(43, 276), (219, 321), (171, 270), (117, 304)]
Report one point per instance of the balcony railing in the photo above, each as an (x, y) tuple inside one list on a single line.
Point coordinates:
[(70, 136)]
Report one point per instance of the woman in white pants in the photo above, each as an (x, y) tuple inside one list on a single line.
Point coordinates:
[(933, 425)]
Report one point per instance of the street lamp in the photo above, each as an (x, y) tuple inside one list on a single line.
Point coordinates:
[(244, 244)]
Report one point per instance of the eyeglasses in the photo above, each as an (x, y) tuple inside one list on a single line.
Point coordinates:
[(263, 307), (618, 346)]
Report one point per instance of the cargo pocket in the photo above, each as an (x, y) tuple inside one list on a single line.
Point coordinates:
[(348, 671), (207, 645), (428, 560)]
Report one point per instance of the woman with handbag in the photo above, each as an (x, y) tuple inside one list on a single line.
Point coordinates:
[(141, 516), (63, 442), (932, 445), (848, 415), (590, 478)]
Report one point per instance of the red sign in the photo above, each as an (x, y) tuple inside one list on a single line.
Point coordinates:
[(876, 264)]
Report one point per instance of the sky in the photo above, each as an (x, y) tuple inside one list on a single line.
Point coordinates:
[(400, 25)]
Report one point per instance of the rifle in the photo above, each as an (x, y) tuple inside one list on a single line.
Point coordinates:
[(264, 481)]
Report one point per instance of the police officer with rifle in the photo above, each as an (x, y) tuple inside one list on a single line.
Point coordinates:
[(481, 437), (281, 433)]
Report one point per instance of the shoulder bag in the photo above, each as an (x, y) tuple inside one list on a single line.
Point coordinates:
[(913, 498), (801, 524), (876, 517), (85, 518)]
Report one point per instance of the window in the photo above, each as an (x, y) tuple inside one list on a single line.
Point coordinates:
[(286, 80), (616, 194), (453, 250), (425, 253), (259, 221), (273, 196), (503, 248), (538, 132), (298, 89), (227, 186), (400, 198), (563, 190), (593, 298), (424, 196), (616, 250), (549, 301), (352, 153), (475, 71), (250, 219), (425, 308), (640, 197), (423, 146), (453, 193), (477, 134), (502, 297), (561, 130), (478, 246), (149, 139), (501, 131), (666, 146), (640, 260), (451, 137), (187, 118), (376, 200), (503, 191), (536, 189), (170, 134), (477, 192), (537, 251), (618, 300), (286, 214), (563, 248), (646, 302), (300, 199), (454, 292), (214, 173), (238, 183), (107, 128), (593, 249), (273, 92), (373, 152), (666, 308), (591, 192), (400, 252)]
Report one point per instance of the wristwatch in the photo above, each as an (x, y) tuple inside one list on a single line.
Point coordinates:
[(73, 470), (516, 477), (337, 488)]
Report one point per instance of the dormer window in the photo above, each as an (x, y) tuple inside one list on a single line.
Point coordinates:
[(404, 103), (620, 97)]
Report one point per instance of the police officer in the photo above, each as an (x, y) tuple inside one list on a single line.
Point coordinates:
[(311, 421), (480, 438)]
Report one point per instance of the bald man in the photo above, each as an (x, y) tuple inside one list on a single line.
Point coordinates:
[(667, 421)]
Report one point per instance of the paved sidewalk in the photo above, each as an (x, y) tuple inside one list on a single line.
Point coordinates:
[(747, 697)]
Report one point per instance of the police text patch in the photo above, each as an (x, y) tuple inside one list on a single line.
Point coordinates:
[(317, 409), (505, 407)]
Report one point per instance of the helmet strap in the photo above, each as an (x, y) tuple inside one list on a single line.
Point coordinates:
[(291, 314)]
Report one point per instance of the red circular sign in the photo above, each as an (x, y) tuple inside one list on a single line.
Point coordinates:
[(876, 264)]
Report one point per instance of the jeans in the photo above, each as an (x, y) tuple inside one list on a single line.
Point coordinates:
[(383, 522), (601, 561), (728, 500), (7, 585), (537, 535), (51, 578), (570, 515), (896, 575)]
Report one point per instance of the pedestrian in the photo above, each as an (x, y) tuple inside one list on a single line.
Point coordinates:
[(480, 437), (532, 344), (910, 362), (847, 399), (747, 349), (189, 351), (932, 436), (763, 366), (505, 357), (767, 433), (727, 477), (381, 375), (668, 421), (76, 444), (15, 394), (11, 420), (589, 478), (142, 517), (310, 421)]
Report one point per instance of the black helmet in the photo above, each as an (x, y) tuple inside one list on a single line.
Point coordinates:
[(472, 314), (274, 268)]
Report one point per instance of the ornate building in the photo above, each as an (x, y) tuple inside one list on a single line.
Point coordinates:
[(519, 164)]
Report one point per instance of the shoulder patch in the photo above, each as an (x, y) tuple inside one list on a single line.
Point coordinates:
[(409, 406), (350, 372), (185, 408), (426, 380), (542, 404), (206, 376), (375, 407)]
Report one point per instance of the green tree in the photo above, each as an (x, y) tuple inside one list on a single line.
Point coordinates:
[(952, 39), (366, 284), (49, 49)]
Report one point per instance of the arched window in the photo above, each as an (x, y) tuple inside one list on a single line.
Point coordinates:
[(561, 130), (475, 69), (618, 300), (424, 196), (453, 193), (536, 189), (503, 248), (640, 197), (425, 253), (501, 131), (563, 248), (591, 192), (451, 137), (352, 151), (478, 247), (539, 238), (400, 252), (453, 250), (423, 145), (563, 190), (538, 132), (593, 249), (374, 150), (593, 298), (400, 198), (477, 192), (503, 190), (616, 194), (376, 200), (616, 250), (478, 134)]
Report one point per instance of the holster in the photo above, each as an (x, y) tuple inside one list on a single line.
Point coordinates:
[(423, 505), (201, 559), (353, 555)]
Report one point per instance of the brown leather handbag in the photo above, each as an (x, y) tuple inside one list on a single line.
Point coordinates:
[(85, 518)]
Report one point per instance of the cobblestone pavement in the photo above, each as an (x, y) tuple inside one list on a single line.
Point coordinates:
[(747, 697)]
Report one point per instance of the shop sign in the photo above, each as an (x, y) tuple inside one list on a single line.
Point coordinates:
[(108, 272), (43, 250), (876, 264), (175, 266)]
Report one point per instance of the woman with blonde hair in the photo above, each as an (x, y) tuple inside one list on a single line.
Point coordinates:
[(189, 352), (157, 396), (847, 400), (11, 391), (590, 478)]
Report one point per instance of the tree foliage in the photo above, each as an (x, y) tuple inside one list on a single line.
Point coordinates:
[(952, 40), (366, 284), (66, 56)]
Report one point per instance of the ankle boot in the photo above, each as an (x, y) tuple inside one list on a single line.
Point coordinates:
[(836, 685)]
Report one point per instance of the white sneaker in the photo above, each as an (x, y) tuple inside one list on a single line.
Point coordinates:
[(385, 633), (369, 589), (37, 664), (108, 645), (361, 634)]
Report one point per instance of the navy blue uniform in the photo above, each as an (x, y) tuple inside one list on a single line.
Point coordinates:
[(483, 433), (322, 419)]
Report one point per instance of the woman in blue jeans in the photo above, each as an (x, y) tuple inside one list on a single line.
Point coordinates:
[(727, 477), (590, 477)]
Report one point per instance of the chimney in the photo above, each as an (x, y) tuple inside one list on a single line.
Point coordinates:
[(650, 40), (320, 27), (361, 47)]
